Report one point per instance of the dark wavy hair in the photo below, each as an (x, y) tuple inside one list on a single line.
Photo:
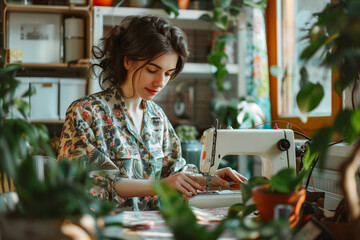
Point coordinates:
[(138, 38)]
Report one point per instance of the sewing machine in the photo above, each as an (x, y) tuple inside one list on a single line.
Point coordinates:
[(275, 147)]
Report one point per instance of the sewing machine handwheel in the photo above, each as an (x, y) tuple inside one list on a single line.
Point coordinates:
[(283, 144)]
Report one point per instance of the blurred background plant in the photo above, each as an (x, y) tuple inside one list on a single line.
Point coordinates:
[(59, 192), (186, 132), (336, 35)]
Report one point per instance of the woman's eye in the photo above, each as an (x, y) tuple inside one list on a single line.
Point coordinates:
[(151, 71)]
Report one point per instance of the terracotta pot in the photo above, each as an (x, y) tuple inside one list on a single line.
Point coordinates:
[(17, 228), (107, 3), (343, 230), (267, 201), (183, 4)]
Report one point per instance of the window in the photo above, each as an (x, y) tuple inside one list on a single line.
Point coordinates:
[(286, 21)]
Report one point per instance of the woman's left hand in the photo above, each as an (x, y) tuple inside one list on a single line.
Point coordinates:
[(226, 175)]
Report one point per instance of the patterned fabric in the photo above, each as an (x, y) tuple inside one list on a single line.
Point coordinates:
[(99, 128), (256, 61)]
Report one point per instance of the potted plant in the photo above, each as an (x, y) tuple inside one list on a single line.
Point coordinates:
[(190, 145), (335, 33), (55, 206)]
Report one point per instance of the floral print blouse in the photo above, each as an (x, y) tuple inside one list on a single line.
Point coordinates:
[(100, 128)]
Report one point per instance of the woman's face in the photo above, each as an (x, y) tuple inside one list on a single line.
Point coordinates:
[(153, 77)]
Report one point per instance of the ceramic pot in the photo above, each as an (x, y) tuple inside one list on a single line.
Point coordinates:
[(107, 3), (267, 201), (183, 4), (17, 228), (343, 230), (191, 152)]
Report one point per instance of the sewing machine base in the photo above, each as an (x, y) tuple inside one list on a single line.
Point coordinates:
[(215, 199)]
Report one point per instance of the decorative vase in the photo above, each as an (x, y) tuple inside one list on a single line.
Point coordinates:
[(267, 201), (191, 152)]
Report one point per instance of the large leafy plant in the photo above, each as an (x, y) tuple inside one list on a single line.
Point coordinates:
[(62, 192), (336, 34)]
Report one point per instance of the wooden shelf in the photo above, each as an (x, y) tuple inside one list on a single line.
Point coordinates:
[(47, 8), (205, 68), (84, 63), (48, 121)]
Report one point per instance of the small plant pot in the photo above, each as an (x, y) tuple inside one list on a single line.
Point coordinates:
[(106, 3), (266, 202), (191, 152), (183, 4)]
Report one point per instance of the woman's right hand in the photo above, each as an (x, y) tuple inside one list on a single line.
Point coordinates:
[(185, 183)]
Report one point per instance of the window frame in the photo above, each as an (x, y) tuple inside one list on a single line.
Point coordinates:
[(314, 122)]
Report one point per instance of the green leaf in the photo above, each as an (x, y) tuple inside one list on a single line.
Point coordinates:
[(311, 49), (235, 210), (309, 98), (235, 10), (249, 210), (226, 37), (347, 124), (206, 17), (355, 120), (284, 181), (220, 19), (319, 145), (259, 4), (171, 6), (10, 68), (304, 78), (247, 186)]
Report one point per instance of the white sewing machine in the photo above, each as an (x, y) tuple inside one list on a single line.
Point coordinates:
[(275, 147)]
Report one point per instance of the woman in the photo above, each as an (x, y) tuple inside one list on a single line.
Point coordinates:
[(124, 137)]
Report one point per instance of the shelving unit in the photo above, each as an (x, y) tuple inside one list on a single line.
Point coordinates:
[(54, 76), (83, 12)]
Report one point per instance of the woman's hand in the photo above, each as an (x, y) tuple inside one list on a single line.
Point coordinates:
[(226, 175), (184, 183)]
